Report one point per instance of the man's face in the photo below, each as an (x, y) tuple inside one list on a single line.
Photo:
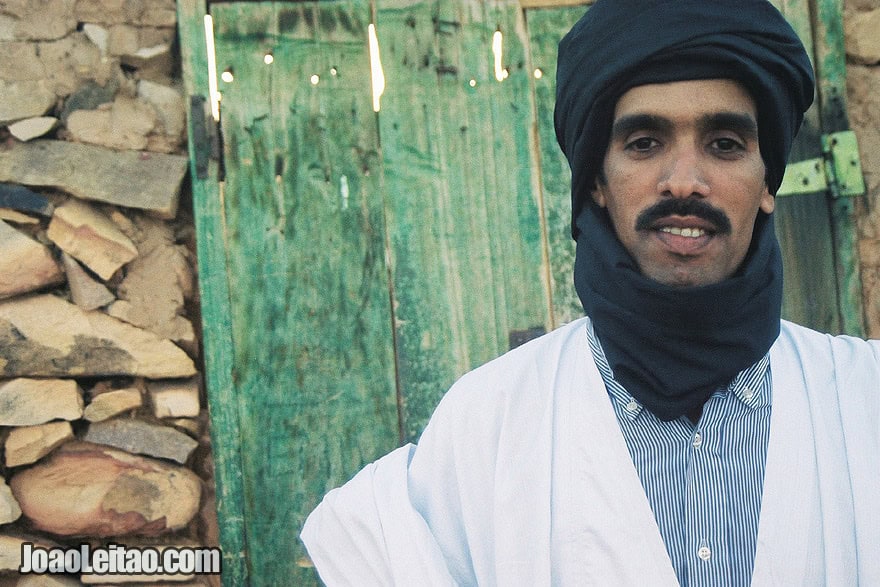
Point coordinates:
[(684, 179)]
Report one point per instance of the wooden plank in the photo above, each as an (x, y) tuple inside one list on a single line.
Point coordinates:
[(464, 221), (546, 28), (831, 69), (215, 310), (311, 323)]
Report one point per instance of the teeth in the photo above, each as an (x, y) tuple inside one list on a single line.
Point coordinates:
[(687, 232)]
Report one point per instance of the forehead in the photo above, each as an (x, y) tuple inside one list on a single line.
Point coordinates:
[(684, 100)]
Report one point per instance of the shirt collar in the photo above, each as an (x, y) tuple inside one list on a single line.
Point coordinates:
[(746, 386)]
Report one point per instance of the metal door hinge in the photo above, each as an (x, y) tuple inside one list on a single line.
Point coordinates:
[(205, 136), (838, 171)]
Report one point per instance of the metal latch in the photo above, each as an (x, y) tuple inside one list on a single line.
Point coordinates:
[(839, 170)]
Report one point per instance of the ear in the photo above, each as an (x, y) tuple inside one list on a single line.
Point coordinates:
[(598, 194), (768, 201)]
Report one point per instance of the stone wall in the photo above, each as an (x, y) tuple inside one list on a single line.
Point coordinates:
[(103, 423), (862, 27)]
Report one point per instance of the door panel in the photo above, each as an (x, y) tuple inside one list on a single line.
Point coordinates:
[(311, 323)]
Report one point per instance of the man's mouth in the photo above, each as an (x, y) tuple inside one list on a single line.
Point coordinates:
[(685, 232), (684, 235)]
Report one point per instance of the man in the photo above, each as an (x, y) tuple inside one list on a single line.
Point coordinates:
[(681, 433)]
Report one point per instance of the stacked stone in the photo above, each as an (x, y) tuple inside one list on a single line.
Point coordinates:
[(102, 415), (862, 32)]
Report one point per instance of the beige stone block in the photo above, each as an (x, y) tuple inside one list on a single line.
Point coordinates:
[(168, 104), (43, 19), (174, 399), (45, 336), (9, 510), (24, 99), (83, 489), (20, 62), (86, 234), (112, 403), (124, 124), (25, 264), (87, 293), (29, 444), (73, 61), (26, 402), (862, 35), (32, 128)]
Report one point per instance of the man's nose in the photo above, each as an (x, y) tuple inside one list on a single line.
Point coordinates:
[(683, 177)]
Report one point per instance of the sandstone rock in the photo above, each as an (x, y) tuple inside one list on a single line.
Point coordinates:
[(863, 103), (32, 128), (7, 27), (97, 35), (25, 402), (85, 233), (45, 336), (136, 12), (16, 217), (24, 99), (83, 489), (174, 399), (154, 63), (122, 39), (124, 124), (161, 266), (9, 510), (73, 60), (862, 35), (168, 104), (28, 444), (144, 438), (25, 264), (112, 403), (41, 19), (85, 292), (147, 181), (21, 62)]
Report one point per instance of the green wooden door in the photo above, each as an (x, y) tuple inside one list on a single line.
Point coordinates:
[(353, 263)]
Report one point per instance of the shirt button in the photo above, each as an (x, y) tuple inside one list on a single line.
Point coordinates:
[(698, 440), (748, 393), (632, 406), (704, 553)]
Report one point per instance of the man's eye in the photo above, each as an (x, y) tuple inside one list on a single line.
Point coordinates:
[(727, 145), (642, 144)]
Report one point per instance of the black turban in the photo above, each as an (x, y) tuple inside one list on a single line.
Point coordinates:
[(673, 347), (620, 44)]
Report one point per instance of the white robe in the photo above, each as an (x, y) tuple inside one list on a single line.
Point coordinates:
[(523, 477)]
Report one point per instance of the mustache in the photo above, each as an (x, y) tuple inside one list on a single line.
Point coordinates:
[(683, 207)]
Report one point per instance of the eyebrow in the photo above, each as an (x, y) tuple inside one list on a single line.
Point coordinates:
[(739, 122)]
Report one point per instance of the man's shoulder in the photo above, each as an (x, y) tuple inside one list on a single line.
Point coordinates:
[(841, 345), (546, 353), (821, 355), (525, 377)]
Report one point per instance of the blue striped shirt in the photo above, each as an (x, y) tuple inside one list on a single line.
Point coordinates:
[(703, 481)]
